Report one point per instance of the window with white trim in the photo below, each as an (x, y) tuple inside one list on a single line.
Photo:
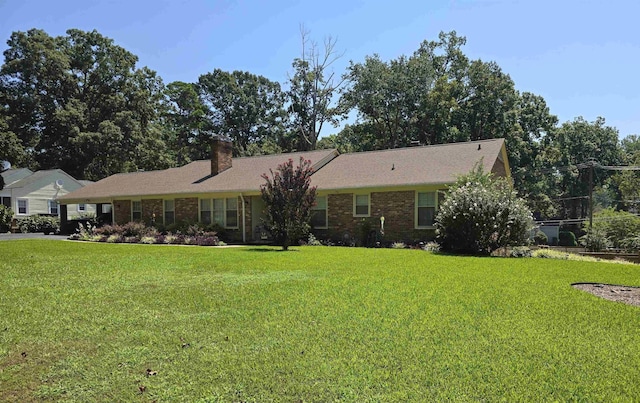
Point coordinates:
[(426, 209), (23, 206), (231, 212), (82, 207), (53, 207), (223, 212), (361, 205), (319, 213), (136, 210), (5, 201), (169, 212)]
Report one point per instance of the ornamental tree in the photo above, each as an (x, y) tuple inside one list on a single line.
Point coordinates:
[(288, 197), (481, 214)]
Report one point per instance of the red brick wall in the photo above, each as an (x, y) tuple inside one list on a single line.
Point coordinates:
[(121, 211), (186, 210), (398, 209), (221, 152)]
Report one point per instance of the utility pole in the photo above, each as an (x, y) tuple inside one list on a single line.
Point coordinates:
[(591, 164)]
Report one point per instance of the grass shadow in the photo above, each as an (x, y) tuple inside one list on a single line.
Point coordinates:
[(267, 250)]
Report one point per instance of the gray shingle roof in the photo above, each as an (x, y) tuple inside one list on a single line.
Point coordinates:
[(439, 164)]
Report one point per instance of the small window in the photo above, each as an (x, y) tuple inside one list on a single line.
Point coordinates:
[(136, 210), (82, 207), (218, 211), (361, 206), (426, 205), (169, 212), (205, 211), (319, 213), (53, 207), (23, 207), (5, 201), (232, 212)]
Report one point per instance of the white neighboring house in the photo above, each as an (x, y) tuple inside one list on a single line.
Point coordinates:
[(32, 193)]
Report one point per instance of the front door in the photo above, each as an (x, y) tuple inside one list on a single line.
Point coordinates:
[(257, 214)]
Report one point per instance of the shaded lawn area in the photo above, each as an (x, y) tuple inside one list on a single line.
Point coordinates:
[(84, 322)]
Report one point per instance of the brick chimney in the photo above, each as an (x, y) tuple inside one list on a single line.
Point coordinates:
[(221, 150)]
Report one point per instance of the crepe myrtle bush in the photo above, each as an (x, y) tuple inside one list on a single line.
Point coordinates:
[(481, 214), (289, 197)]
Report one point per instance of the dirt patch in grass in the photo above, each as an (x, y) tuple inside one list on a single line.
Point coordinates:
[(617, 293)]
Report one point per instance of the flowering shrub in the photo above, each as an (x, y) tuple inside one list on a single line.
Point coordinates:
[(139, 233), (482, 214)]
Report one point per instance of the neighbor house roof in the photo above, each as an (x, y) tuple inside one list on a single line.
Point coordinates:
[(245, 175), (436, 164), (35, 176), (14, 175)]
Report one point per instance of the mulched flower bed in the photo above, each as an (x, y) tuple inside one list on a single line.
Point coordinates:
[(618, 293)]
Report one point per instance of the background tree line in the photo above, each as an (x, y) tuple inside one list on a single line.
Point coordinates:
[(80, 103)]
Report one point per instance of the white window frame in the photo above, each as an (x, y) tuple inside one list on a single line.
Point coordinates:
[(6, 201), (436, 206), (221, 212), (82, 208), (51, 203), (326, 211), (355, 200), (227, 210), (165, 211), (133, 211), (26, 206)]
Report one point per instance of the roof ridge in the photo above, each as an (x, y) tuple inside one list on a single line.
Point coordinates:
[(424, 146)]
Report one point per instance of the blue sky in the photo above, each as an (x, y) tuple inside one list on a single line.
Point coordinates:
[(581, 56)]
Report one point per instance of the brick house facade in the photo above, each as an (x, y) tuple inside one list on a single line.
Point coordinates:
[(405, 186)]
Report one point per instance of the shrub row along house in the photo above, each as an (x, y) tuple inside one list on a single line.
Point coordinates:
[(354, 190)]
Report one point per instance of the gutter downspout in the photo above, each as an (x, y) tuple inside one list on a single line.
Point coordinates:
[(244, 229)]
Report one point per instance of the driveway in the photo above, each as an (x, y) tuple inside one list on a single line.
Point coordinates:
[(9, 237)]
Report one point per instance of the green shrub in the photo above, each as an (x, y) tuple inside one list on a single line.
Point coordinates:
[(6, 215), (481, 214), (36, 223), (567, 238), (520, 251), (595, 240), (618, 225), (540, 238), (631, 244)]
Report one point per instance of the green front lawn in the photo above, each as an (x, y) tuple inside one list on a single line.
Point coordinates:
[(84, 322)]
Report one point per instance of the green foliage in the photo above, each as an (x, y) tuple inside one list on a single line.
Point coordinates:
[(631, 244), (482, 214), (567, 238), (540, 238), (289, 198), (244, 107), (617, 225), (6, 216), (520, 251), (35, 223), (78, 102), (595, 239)]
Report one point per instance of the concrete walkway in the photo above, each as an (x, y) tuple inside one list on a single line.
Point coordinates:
[(9, 237)]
